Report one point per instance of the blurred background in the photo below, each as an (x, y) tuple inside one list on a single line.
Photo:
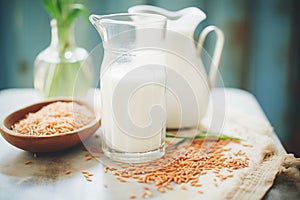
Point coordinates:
[(261, 53)]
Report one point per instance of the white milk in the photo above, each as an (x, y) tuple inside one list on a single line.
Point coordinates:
[(118, 134), (192, 84)]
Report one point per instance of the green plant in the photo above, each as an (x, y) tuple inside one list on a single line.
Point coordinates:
[(64, 12), (202, 134), (64, 73)]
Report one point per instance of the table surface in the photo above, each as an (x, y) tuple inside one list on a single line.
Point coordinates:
[(46, 178)]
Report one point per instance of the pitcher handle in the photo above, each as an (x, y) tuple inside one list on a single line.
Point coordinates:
[(217, 51)]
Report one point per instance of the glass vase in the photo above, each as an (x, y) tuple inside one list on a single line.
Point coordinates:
[(61, 70)]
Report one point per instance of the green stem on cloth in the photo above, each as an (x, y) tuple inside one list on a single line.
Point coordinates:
[(202, 136), (199, 136)]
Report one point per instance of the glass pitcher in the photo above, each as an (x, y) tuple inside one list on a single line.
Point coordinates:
[(133, 86)]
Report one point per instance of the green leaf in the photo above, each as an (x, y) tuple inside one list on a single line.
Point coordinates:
[(65, 6), (64, 11), (202, 136), (74, 11), (51, 8), (58, 5)]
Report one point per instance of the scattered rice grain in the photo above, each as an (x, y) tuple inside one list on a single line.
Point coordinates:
[(88, 158), (146, 188), (121, 180), (183, 187), (132, 197), (68, 172), (27, 162)]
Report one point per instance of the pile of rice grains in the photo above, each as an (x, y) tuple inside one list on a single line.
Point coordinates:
[(184, 165), (176, 167), (54, 118)]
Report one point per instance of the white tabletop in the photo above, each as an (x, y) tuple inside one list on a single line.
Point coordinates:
[(45, 177)]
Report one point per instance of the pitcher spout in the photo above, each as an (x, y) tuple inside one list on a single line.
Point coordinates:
[(96, 22), (188, 20), (119, 31), (94, 19), (183, 21)]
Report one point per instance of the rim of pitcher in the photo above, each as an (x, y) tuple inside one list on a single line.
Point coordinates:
[(155, 18)]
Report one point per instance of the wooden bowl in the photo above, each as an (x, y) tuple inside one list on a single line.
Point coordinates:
[(47, 143)]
